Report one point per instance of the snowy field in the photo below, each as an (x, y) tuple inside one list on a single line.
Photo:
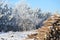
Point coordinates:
[(15, 35)]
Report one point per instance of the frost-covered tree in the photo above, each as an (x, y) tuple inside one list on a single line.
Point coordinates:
[(20, 17), (27, 18), (6, 18)]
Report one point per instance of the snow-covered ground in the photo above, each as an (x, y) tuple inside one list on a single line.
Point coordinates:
[(15, 35)]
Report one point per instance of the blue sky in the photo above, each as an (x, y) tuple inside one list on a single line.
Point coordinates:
[(45, 5)]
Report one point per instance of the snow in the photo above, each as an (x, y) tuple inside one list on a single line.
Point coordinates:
[(15, 35), (1, 15)]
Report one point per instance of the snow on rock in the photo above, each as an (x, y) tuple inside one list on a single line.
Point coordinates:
[(15, 35)]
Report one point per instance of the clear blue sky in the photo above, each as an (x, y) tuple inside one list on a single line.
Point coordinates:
[(45, 5)]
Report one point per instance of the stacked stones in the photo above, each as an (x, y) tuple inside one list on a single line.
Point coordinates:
[(50, 30)]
